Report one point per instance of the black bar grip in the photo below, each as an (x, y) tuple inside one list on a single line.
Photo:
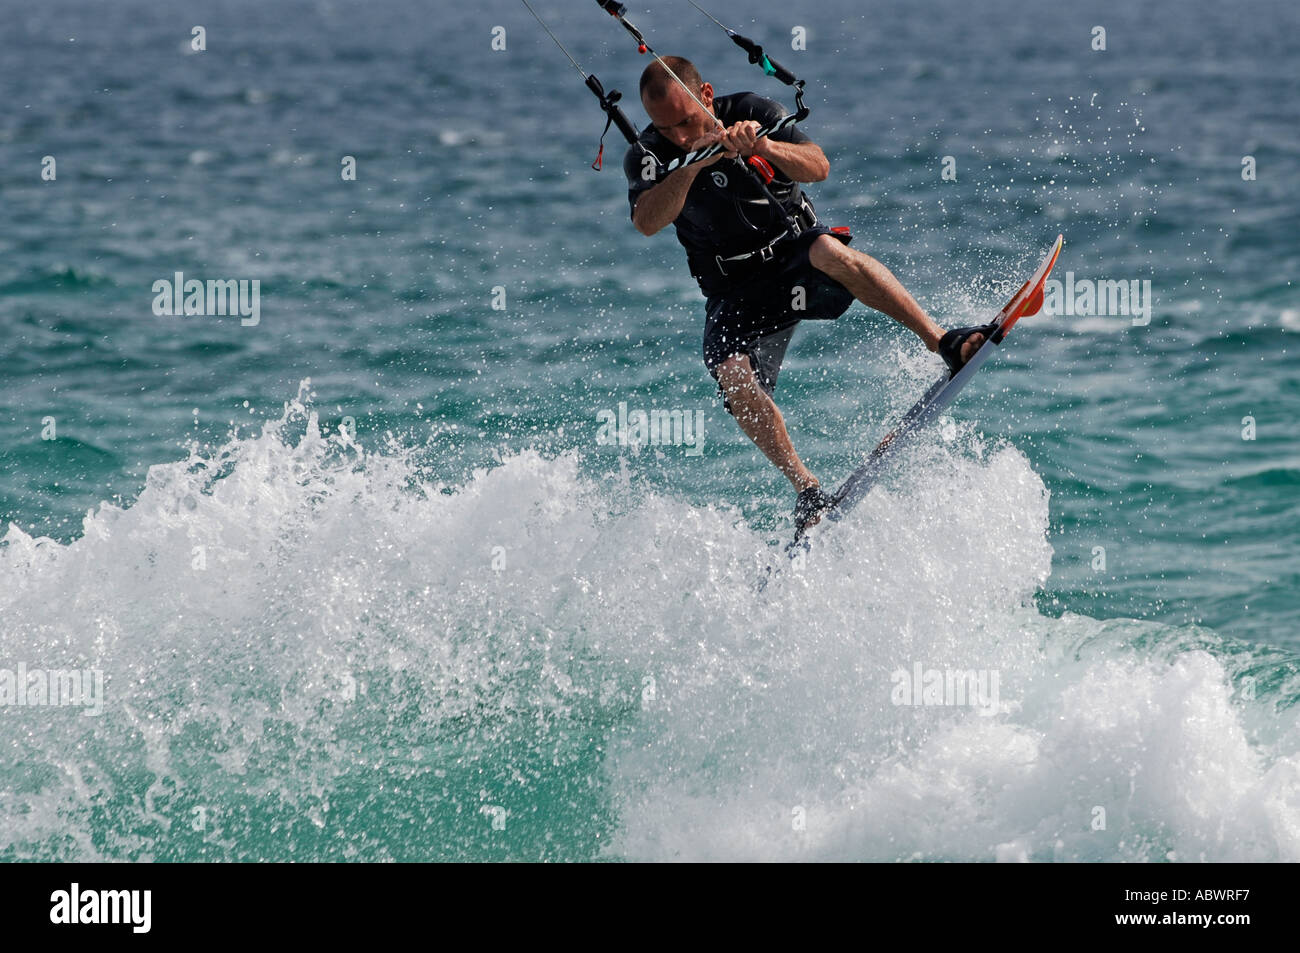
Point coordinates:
[(781, 73), (760, 59), (624, 124), (608, 102)]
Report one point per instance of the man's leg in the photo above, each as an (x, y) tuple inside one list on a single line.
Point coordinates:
[(875, 286), (759, 417)]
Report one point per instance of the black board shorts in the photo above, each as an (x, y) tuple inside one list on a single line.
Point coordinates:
[(759, 318)]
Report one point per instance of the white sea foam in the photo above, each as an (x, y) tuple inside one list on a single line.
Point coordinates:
[(346, 611)]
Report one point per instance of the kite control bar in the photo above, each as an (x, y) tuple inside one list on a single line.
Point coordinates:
[(615, 115)]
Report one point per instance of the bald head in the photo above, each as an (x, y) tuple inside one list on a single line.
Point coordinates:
[(676, 114), (656, 83)]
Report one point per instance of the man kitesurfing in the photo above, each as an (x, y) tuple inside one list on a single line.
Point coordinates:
[(725, 171), (761, 271)]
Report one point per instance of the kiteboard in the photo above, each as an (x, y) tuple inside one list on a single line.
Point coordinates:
[(1028, 300)]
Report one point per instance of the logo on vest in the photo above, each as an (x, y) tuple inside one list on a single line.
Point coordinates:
[(720, 180)]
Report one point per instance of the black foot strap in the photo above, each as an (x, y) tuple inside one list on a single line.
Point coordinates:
[(811, 504), (951, 343)]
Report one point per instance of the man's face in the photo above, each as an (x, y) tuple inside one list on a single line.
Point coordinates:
[(678, 118)]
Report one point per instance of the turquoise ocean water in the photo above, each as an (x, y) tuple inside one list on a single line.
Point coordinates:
[(363, 583)]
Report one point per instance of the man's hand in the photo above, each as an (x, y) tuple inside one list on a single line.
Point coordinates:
[(708, 139), (801, 161), (742, 139)]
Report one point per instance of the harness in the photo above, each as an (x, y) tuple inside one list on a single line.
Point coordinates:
[(803, 218)]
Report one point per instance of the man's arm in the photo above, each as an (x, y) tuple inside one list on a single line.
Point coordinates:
[(657, 207), (799, 161)]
